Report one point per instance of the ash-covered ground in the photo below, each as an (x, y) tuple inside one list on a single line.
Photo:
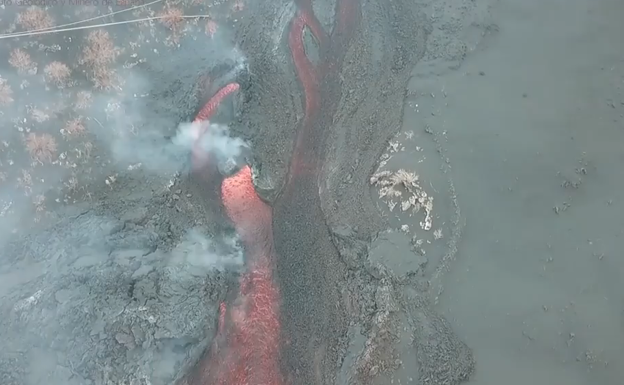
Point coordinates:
[(114, 260), (112, 263)]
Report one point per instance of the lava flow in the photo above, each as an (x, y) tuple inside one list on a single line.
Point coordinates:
[(246, 349)]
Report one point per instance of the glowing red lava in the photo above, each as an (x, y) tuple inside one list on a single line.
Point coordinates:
[(246, 349)]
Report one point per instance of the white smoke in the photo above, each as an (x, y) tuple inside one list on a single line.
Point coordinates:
[(215, 140), (201, 251), (160, 155)]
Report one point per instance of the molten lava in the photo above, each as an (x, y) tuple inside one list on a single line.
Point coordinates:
[(246, 349)]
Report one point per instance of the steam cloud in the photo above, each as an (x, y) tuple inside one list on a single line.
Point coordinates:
[(203, 253), (122, 131)]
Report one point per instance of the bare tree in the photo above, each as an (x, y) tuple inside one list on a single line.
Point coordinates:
[(100, 50), (41, 147), (6, 93), (34, 18), (57, 73), (74, 127), (172, 18), (20, 60)]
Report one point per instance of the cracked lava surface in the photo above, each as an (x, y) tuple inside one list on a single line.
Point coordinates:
[(246, 349)]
